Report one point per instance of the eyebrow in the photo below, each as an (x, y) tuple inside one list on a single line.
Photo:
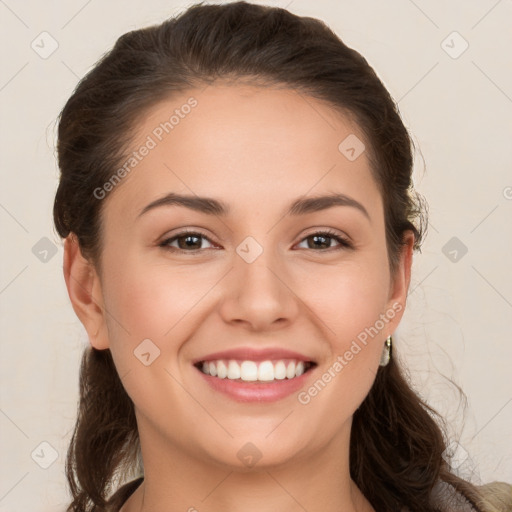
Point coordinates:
[(212, 206)]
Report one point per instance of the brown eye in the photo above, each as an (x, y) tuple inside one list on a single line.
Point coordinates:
[(323, 240), (187, 241)]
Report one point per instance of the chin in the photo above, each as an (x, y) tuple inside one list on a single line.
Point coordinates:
[(255, 453)]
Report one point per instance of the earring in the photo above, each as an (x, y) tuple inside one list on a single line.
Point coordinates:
[(386, 353)]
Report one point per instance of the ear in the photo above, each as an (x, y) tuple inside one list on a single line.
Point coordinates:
[(84, 290), (399, 285)]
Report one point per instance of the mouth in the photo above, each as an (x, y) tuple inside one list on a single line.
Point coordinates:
[(248, 371)]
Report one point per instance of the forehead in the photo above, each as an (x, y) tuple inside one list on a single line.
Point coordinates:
[(249, 144)]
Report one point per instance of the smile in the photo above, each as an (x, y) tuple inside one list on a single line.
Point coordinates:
[(255, 371)]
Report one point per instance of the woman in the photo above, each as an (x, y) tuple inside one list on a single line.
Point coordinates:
[(239, 223)]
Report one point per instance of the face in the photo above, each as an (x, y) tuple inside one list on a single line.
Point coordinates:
[(243, 277)]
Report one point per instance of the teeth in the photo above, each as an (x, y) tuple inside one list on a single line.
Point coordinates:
[(290, 370), (280, 371), (250, 371), (222, 371), (233, 370), (266, 371)]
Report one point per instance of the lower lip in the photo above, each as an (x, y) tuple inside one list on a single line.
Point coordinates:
[(257, 391)]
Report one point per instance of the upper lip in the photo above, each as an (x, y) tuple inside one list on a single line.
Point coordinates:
[(253, 354)]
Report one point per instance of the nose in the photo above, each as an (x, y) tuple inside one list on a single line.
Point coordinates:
[(258, 292)]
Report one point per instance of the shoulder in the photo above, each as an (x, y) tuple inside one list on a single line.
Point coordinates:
[(495, 497), (446, 498), (117, 500)]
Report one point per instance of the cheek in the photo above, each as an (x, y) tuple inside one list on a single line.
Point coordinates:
[(147, 300), (152, 309), (355, 333), (348, 297)]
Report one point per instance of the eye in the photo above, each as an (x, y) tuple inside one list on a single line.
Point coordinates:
[(322, 240), (187, 241), (191, 241)]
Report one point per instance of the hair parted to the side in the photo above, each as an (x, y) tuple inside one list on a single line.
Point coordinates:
[(396, 443)]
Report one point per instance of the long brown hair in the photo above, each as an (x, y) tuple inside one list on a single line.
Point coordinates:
[(397, 441)]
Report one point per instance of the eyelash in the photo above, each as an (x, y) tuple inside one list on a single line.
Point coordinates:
[(343, 242)]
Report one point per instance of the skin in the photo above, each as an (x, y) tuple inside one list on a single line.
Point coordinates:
[(257, 149)]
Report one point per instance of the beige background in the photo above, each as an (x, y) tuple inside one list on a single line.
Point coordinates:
[(457, 325)]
